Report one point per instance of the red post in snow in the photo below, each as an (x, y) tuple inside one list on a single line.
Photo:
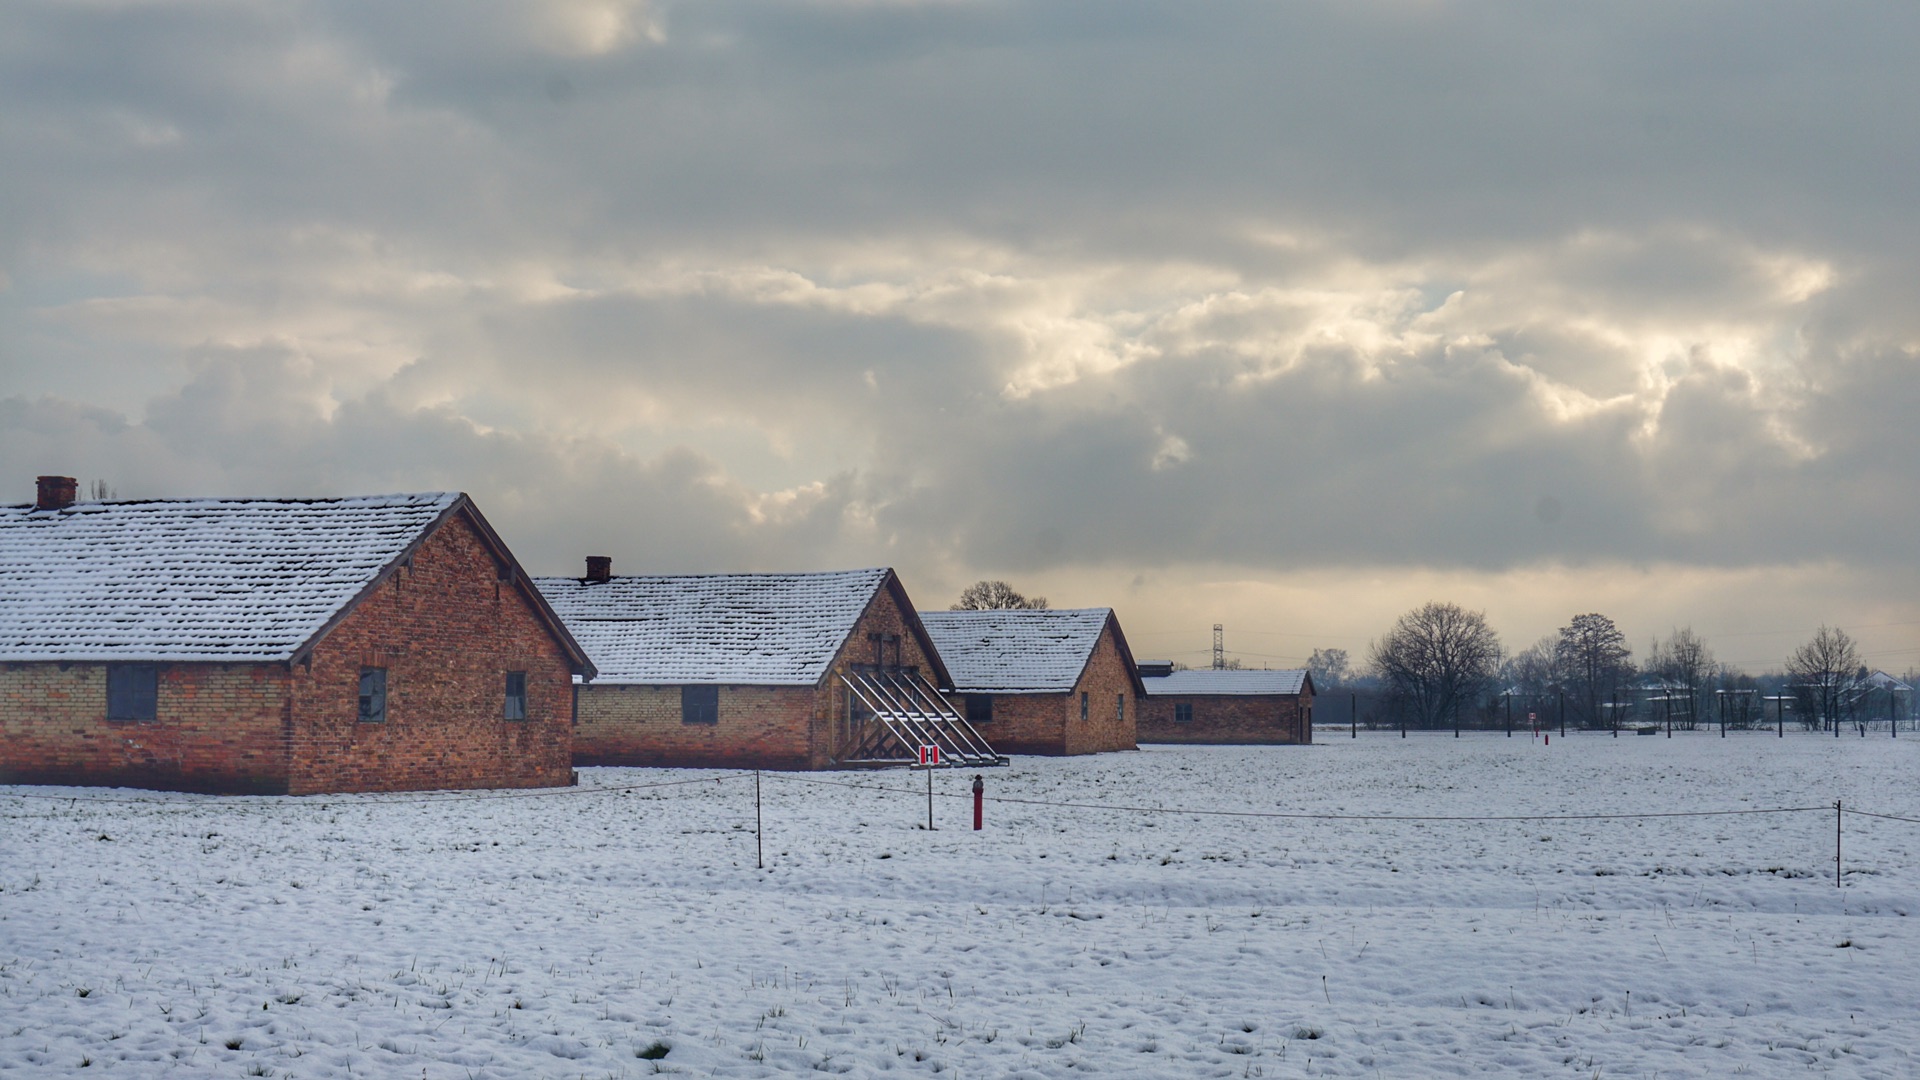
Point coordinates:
[(979, 799)]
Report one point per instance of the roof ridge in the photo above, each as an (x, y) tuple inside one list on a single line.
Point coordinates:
[(209, 579), (752, 628), (1015, 612), (255, 500), (723, 574)]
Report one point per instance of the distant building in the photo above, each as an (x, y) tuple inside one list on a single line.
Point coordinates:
[(779, 671), (1879, 695), (384, 643), (1042, 682), (1214, 706)]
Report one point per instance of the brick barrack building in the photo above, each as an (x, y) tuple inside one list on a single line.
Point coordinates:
[(1042, 682), (275, 646), (1215, 706), (781, 671)]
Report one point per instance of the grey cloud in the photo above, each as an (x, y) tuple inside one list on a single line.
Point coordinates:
[(1005, 285), (244, 426), (1090, 125), (1442, 462)]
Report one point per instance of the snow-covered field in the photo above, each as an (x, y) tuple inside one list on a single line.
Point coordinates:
[(599, 934)]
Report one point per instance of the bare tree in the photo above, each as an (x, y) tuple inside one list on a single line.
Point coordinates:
[(997, 596), (1436, 661), (1594, 659), (1685, 664), (1329, 668), (1740, 705), (1822, 673), (1534, 672)]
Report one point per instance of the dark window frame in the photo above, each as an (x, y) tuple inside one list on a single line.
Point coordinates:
[(133, 693), (515, 705), (1183, 712), (1085, 696), (1120, 708), (700, 703), (979, 709), (374, 692)]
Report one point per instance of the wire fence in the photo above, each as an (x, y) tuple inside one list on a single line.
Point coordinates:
[(370, 800), (380, 799), (1301, 815)]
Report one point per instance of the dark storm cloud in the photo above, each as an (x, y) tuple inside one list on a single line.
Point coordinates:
[(1029, 286)]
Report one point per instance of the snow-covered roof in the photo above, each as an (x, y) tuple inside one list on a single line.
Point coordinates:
[(1883, 681), (1016, 652), (1210, 681), (752, 629), (194, 579)]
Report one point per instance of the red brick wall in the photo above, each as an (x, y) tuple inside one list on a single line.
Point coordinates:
[(218, 727), (1029, 723), (1050, 724), (760, 727), (1229, 718), (447, 630), (1106, 682), (833, 738)]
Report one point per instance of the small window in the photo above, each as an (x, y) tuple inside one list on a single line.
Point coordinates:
[(516, 696), (373, 695), (1183, 712), (1120, 708), (979, 709), (1083, 704), (699, 704), (133, 692)]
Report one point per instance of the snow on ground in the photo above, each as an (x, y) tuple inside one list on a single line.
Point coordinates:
[(598, 934)]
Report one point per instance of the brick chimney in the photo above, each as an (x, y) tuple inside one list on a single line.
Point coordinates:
[(56, 492), (599, 568)]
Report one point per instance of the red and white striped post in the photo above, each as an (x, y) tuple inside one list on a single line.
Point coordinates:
[(930, 760)]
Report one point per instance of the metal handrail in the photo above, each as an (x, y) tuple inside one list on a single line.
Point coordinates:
[(914, 715)]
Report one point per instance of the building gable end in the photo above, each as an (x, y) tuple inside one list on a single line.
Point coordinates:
[(303, 653)]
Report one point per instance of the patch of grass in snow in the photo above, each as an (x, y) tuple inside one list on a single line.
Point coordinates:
[(653, 1052)]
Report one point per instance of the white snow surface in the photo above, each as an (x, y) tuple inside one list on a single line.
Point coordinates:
[(1013, 652), (1235, 683), (193, 579), (565, 934), (753, 629)]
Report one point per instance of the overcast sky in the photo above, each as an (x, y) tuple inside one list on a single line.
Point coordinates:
[(1284, 315)]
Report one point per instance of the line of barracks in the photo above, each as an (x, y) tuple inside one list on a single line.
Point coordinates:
[(390, 643)]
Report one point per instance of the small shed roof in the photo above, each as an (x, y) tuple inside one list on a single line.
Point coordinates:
[(1209, 681), (1017, 651), (749, 629), (205, 579)]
